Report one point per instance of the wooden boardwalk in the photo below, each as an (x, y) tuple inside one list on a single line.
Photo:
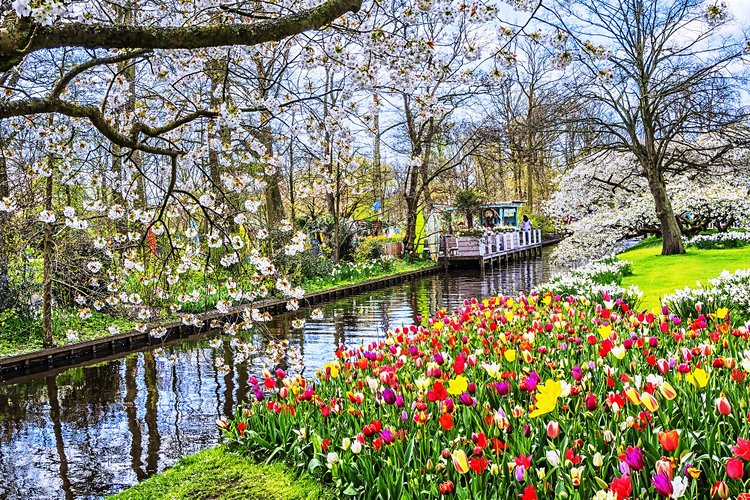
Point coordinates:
[(488, 250)]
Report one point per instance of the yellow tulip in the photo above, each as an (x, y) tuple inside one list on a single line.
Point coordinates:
[(510, 355), (458, 385), (605, 331), (699, 377), (667, 391), (632, 395), (649, 402), (722, 312), (460, 461)]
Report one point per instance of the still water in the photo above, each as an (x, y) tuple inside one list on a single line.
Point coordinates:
[(95, 430)]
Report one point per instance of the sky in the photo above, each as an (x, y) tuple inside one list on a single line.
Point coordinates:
[(741, 10)]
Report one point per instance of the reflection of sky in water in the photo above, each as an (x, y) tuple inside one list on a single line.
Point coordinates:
[(95, 430)]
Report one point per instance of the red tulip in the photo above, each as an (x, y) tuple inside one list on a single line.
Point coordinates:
[(723, 406), (735, 468), (446, 488)]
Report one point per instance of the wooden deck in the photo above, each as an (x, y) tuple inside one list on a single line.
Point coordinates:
[(488, 250)]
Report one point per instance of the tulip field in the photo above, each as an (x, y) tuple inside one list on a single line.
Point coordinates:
[(537, 396)]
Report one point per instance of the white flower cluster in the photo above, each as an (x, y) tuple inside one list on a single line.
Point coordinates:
[(729, 290), (603, 215), (729, 239), (597, 281)]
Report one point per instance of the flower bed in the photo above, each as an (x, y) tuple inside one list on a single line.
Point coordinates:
[(733, 239), (730, 291), (595, 280), (535, 396)]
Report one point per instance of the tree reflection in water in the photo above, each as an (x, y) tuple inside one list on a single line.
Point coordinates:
[(69, 435)]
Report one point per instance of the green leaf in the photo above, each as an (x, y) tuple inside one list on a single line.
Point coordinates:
[(351, 491), (603, 485), (313, 465)]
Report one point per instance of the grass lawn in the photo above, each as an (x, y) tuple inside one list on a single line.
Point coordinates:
[(399, 266), (658, 275), (219, 474)]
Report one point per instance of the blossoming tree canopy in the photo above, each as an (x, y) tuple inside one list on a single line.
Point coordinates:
[(610, 202), (658, 74)]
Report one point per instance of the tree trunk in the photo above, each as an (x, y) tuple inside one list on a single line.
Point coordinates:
[(4, 192), (670, 229), (47, 280), (410, 234)]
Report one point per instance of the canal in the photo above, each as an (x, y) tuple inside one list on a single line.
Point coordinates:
[(90, 431)]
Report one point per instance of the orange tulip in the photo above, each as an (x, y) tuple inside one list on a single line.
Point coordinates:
[(669, 440)]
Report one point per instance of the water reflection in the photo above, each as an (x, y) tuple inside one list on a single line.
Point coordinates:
[(95, 430)]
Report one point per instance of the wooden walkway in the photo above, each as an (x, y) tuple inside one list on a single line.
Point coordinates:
[(488, 250)]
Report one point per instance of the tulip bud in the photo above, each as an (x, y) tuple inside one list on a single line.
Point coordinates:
[(723, 406), (553, 458), (719, 491), (591, 402), (553, 429), (598, 459), (735, 468)]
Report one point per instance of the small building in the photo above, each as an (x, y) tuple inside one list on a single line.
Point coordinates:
[(491, 214), (500, 214)]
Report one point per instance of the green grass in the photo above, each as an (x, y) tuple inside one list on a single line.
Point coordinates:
[(20, 336), (397, 267), (658, 275), (220, 474)]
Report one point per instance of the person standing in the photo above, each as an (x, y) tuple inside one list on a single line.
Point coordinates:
[(526, 229)]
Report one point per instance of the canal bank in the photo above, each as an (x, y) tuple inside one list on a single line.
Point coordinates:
[(94, 430), (102, 349)]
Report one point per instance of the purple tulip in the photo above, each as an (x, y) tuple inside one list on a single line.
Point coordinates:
[(662, 484), (577, 373), (502, 388), (520, 469), (387, 436), (438, 358), (466, 399), (389, 396), (449, 405), (634, 458)]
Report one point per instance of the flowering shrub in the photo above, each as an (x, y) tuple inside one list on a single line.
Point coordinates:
[(594, 281), (538, 396), (733, 239), (730, 292)]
